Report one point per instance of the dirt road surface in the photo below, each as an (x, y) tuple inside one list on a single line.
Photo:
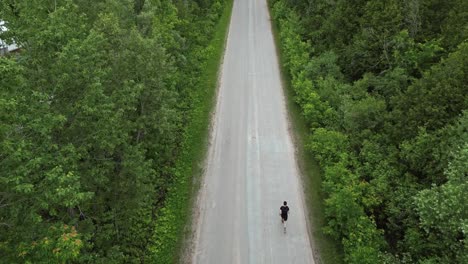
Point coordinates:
[(251, 167)]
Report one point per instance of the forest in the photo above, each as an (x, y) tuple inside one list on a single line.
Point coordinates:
[(382, 86), (94, 114)]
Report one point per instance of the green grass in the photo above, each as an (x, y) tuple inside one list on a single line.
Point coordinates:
[(329, 250), (207, 98), (173, 225)]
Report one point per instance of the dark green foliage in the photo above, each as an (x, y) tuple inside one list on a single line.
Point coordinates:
[(383, 86), (92, 114)]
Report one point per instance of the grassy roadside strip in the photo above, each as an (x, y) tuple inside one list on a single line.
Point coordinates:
[(330, 251), (175, 216)]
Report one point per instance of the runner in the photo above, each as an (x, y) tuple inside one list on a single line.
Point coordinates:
[(284, 211)]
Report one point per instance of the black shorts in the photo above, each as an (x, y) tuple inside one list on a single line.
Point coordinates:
[(285, 217)]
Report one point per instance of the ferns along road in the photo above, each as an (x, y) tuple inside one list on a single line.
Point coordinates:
[(251, 167)]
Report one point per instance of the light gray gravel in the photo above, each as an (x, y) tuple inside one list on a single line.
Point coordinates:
[(251, 166)]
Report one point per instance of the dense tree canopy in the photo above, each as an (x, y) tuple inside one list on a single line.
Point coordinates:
[(91, 115), (383, 87)]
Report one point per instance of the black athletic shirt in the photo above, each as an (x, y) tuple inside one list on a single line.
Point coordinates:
[(284, 210)]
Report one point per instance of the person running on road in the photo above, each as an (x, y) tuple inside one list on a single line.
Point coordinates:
[(284, 211)]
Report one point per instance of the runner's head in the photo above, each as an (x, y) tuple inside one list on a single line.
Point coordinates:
[(285, 203)]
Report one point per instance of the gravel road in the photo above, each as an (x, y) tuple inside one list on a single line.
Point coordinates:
[(251, 167)]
